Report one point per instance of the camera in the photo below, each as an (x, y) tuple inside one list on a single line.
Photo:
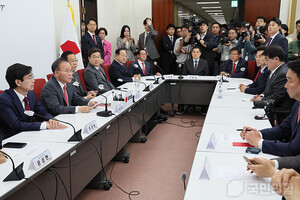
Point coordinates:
[(268, 105), (194, 28), (224, 37), (259, 32), (246, 33)]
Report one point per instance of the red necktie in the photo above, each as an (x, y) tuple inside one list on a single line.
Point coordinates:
[(27, 107), (258, 73), (66, 95), (233, 69), (298, 115), (94, 39), (144, 69), (269, 42)]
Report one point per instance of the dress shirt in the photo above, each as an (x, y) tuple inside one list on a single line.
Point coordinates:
[(272, 72), (62, 88), (273, 38), (21, 98), (91, 34), (203, 36), (194, 61), (236, 64), (141, 64)]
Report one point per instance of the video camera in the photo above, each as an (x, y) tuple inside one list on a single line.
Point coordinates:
[(259, 32), (194, 28)]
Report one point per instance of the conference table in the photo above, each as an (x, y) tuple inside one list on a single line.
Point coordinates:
[(72, 165)]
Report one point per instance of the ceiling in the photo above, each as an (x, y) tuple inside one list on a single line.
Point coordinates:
[(192, 6)]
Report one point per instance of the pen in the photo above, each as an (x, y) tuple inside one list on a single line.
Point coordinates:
[(240, 129)]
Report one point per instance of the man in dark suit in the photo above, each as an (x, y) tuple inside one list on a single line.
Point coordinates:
[(236, 66), (275, 37), (195, 65), (147, 41), (262, 76), (71, 58), (89, 40), (20, 98), (118, 71), (206, 40), (141, 66), (168, 58), (58, 95), (288, 130), (94, 75), (275, 88)]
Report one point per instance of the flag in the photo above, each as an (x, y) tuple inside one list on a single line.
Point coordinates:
[(69, 39)]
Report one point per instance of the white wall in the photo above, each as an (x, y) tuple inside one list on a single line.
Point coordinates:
[(284, 11)]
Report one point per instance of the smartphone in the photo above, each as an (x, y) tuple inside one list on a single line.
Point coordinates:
[(248, 160), (252, 150), (17, 145)]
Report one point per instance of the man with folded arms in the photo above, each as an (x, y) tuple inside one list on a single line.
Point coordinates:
[(288, 130), (58, 95), (20, 98)]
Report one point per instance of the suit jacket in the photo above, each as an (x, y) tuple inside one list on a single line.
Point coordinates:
[(95, 81), (288, 130), (87, 42), (168, 57), (207, 52), (240, 69), (258, 86), (279, 40), (52, 98), (289, 162), (13, 120), (77, 85), (201, 70), (118, 71), (135, 68), (275, 90), (150, 43)]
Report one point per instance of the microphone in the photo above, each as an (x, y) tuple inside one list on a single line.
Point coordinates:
[(106, 112), (77, 134), (162, 72), (147, 89), (183, 178), (17, 172), (180, 70)]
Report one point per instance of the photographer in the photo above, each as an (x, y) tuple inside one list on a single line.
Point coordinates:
[(294, 49), (205, 40), (227, 42), (246, 43), (215, 30), (182, 47)]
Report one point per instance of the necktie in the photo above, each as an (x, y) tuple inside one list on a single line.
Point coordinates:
[(298, 115), (233, 69), (146, 35), (27, 107), (257, 75), (144, 69), (196, 64), (269, 42), (66, 95), (94, 39), (101, 74)]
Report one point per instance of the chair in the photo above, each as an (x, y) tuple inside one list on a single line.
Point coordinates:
[(49, 76), (128, 63), (106, 69), (38, 86), (251, 70), (1, 91), (80, 73)]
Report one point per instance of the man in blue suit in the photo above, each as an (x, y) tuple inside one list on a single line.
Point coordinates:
[(259, 84), (20, 98), (141, 66), (236, 66), (91, 39), (118, 71), (288, 130), (275, 37)]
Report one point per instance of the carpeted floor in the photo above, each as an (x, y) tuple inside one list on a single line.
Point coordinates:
[(156, 166)]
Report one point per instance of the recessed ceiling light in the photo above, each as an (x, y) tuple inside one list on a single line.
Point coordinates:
[(213, 11), (211, 2), (217, 7)]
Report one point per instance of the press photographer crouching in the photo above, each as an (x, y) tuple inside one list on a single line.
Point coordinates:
[(275, 88)]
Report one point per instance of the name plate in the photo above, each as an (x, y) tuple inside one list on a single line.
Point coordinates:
[(119, 108), (90, 127), (160, 80), (40, 160), (151, 86), (192, 77), (137, 95), (168, 76)]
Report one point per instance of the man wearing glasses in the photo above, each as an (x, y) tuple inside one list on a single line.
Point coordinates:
[(58, 95), (19, 98)]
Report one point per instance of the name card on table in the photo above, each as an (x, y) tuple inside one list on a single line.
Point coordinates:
[(90, 127), (119, 108), (192, 77), (160, 80), (205, 171), (170, 76), (151, 86), (137, 95), (40, 160), (212, 142)]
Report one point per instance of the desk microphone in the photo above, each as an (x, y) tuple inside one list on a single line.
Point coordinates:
[(180, 70), (106, 112), (162, 72), (147, 89), (77, 134), (17, 172)]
